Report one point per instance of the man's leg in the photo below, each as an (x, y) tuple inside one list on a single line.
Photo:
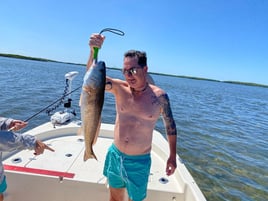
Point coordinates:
[(117, 194), (1, 197)]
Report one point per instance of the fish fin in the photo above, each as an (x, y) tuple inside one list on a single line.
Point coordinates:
[(88, 156)]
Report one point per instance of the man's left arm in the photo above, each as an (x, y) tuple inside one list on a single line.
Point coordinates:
[(171, 133)]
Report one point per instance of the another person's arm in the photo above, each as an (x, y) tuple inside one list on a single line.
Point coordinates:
[(11, 124), (10, 141)]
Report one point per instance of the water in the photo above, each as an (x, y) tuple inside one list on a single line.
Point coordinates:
[(223, 128)]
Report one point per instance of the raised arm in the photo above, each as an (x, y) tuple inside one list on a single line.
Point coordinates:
[(96, 40)]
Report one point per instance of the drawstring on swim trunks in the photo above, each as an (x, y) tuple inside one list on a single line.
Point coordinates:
[(123, 172)]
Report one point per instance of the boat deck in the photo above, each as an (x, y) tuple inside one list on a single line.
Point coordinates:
[(63, 175)]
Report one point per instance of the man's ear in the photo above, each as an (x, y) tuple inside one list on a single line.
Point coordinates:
[(145, 68)]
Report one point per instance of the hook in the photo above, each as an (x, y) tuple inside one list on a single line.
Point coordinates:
[(112, 30)]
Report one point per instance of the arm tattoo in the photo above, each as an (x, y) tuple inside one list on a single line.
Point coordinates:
[(167, 115)]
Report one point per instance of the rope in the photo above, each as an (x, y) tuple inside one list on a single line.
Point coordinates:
[(49, 110)]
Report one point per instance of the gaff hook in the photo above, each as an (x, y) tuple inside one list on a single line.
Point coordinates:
[(115, 31), (112, 30)]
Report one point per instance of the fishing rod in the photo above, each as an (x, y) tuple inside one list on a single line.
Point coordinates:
[(51, 104), (34, 115)]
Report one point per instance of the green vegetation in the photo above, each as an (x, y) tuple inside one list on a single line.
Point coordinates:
[(180, 76), (187, 77), (33, 58), (23, 57), (246, 83)]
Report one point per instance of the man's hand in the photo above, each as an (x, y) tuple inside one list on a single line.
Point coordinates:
[(171, 166), (96, 40)]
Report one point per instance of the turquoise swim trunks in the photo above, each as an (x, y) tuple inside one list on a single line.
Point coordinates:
[(3, 185), (128, 171)]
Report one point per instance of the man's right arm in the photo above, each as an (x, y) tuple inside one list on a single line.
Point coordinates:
[(96, 40), (90, 59)]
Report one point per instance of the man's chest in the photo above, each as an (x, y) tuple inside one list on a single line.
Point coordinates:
[(142, 107)]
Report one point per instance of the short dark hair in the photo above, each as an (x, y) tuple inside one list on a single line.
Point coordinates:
[(142, 58)]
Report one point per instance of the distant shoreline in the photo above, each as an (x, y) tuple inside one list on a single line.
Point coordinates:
[(180, 76)]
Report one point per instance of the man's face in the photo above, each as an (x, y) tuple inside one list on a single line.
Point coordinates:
[(133, 72)]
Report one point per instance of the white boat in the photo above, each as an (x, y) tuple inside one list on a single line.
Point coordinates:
[(64, 176)]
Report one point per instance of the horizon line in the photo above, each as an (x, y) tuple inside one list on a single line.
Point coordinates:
[(17, 56)]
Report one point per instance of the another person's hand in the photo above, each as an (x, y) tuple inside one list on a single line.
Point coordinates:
[(40, 148), (96, 40), (16, 125)]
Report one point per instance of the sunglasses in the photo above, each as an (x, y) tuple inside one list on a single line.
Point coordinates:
[(131, 71)]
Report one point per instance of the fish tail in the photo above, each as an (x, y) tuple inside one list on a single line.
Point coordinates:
[(88, 155)]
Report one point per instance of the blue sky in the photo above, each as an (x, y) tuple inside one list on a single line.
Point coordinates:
[(216, 39)]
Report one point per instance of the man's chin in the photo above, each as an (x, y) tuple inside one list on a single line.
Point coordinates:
[(131, 83)]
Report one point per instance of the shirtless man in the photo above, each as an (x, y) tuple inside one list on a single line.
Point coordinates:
[(138, 107)]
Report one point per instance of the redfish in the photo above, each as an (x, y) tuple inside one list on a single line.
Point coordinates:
[(91, 104)]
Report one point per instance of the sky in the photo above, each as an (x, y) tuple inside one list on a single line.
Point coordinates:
[(225, 40)]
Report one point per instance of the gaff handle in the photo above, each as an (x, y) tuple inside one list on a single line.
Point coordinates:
[(96, 51)]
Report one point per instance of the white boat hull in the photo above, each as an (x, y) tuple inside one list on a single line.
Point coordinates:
[(64, 176)]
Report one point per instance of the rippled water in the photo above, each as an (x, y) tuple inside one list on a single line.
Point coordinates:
[(223, 128)]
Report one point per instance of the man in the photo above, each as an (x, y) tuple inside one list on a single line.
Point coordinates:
[(10, 141), (138, 107)]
